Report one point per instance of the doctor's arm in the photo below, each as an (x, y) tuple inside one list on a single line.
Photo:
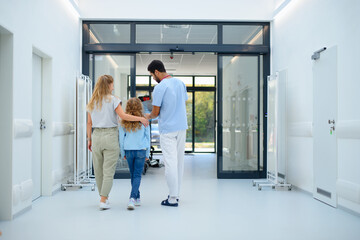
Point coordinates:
[(154, 113)]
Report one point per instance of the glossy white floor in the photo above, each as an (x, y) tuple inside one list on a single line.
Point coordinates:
[(209, 209)]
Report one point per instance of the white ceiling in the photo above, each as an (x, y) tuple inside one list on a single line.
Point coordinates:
[(229, 10), (186, 63), (180, 64)]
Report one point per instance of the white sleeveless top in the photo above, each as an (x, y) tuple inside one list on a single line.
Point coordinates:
[(106, 117)]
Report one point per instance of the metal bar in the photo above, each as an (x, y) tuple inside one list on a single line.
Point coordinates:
[(193, 120), (133, 76), (219, 126), (258, 119), (129, 48)]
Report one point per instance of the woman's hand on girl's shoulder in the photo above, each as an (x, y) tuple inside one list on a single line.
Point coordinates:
[(144, 121)]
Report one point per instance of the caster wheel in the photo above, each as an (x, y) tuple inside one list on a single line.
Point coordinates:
[(63, 188), (92, 189), (289, 188), (273, 187), (259, 188), (81, 187), (254, 184)]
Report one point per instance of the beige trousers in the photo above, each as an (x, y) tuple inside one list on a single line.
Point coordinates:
[(105, 150)]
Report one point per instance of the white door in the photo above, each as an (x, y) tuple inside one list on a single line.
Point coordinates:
[(36, 117), (324, 131)]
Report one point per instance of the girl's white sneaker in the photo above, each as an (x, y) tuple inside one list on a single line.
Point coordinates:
[(131, 205)]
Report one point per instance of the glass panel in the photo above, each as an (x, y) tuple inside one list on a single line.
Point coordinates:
[(240, 113), (204, 122), (155, 134), (189, 110), (176, 33), (242, 34), (91, 60), (204, 81), (109, 33), (141, 94), (188, 81), (153, 82), (142, 81), (118, 66)]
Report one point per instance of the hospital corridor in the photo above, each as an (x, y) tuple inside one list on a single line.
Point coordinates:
[(179, 120)]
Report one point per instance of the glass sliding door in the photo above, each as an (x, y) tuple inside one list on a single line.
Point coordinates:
[(120, 68), (238, 152), (204, 121)]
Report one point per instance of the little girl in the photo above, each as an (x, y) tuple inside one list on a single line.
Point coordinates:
[(135, 147)]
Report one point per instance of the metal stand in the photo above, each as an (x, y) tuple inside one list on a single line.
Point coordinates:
[(271, 181), (82, 156)]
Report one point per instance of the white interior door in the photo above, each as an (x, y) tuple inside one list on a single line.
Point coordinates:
[(36, 117), (324, 132)]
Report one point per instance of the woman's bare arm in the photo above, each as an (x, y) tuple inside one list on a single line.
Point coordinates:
[(129, 117), (88, 130)]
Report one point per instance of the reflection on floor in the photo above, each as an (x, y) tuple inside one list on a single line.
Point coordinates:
[(210, 208), (240, 165)]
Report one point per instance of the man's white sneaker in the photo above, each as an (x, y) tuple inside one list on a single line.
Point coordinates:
[(131, 205), (137, 202), (104, 205)]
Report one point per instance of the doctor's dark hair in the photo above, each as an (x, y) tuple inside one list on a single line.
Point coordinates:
[(156, 65)]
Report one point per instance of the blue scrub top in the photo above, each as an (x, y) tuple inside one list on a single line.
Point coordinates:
[(170, 95)]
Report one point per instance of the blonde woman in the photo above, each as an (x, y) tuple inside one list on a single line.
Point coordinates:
[(135, 147), (103, 110)]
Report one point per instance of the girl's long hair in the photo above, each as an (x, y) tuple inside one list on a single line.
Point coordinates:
[(101, 91), (133, 107)]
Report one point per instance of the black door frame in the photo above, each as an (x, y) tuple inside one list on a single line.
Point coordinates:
[(132, 48), (259, 173)]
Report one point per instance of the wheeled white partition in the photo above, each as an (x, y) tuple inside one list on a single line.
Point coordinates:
[(276, 134), (82, 156)]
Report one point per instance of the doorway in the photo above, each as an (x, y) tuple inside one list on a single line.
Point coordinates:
[(37, 123), (240, 146), (198, 71)]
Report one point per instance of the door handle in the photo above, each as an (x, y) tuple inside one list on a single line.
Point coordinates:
[(42, 124)]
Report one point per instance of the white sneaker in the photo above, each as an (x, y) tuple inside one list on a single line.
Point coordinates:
[(137, 202), (131, 205), (104, 205)]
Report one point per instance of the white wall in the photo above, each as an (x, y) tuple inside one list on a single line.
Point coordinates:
[(254, 10), (6, 95), (52, 30), (298, 30)]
